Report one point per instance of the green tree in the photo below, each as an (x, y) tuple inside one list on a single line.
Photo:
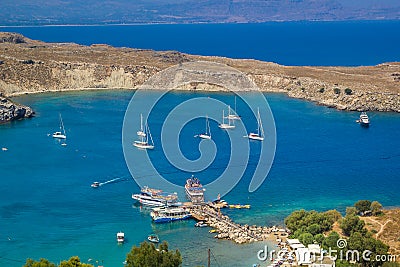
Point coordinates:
[(333, 215), (376, 208), (319, 238), (306, 239), (351, 224), (40, 263), (314, 229), (331, 240), (348, 91), (351, 211), (363, 205), (72, 262), (148, 255)]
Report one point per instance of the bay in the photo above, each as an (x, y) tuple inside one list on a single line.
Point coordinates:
[(324, 160)]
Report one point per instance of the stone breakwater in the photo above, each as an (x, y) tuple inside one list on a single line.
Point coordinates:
[(225, 228), (11, 111)]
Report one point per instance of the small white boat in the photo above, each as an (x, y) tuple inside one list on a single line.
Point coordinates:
[(95, 184), (259, 135), (201, 224), (153, 238), (60, 134), (364, 119), (228, 125), (120, 237), (146, 140), (207, 134), (4, 149)]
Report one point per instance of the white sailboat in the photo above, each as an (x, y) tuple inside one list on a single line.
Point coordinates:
[(207, 134), (228, 125), (60, 134), (260, 131), (141, 131), (233, 116), (146, 140)]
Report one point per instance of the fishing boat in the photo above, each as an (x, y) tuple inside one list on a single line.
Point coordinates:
[(259, 135), (228, 125), (194, 190), (60, 134), (166, 214), (207, 134), (95, 184), (146, 140), (156, 198), (120, 237), (153, 238), (364, 119), (233, 116)]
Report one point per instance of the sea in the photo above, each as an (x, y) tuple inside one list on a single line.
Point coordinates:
[(324, 159)]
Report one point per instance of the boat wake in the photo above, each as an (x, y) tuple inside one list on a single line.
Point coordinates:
[(115, 180)]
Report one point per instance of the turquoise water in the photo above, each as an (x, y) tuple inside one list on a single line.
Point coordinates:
[(348, 43), (324, 160)]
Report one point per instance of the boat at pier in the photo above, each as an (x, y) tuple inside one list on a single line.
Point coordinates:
[(156, 198), (166, 214), (194, 190)]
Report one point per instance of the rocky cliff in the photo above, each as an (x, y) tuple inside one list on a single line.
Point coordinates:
[(11, 111), (28, 66)]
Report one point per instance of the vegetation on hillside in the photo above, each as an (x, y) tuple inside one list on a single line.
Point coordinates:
[(316, 227)]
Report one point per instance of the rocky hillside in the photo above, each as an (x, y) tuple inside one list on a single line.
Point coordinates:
[(33, 66)]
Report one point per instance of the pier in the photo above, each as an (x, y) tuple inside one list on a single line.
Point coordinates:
[(227, 229)]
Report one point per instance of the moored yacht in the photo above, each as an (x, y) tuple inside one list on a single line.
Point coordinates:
[(165, 214), (156, 198), (194, 190), (146, 140), (364, 119), (120, 237), (60, 134), (259, 135)]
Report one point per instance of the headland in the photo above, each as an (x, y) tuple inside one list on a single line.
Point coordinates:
[(30, 66)]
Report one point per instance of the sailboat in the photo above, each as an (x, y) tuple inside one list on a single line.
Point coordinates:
[(60, 134), (223, 125), (146, 140), (233, 116), (207, 134), (141, 131), (260, 131)]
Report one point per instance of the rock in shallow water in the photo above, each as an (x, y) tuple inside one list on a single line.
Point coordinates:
[(10, 111)]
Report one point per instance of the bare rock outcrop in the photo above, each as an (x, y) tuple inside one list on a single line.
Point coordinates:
[(10, 111)]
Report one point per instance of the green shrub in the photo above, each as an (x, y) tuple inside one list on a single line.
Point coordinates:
[(321, 90), (348, 91), (336, 91)]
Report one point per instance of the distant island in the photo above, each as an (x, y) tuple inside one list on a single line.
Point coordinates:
[(91, 12), (29, 66)]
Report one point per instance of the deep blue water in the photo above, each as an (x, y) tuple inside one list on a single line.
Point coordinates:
[(324, 160), (349, 43)]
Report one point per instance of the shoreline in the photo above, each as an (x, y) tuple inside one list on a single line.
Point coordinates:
[(30, 66)]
